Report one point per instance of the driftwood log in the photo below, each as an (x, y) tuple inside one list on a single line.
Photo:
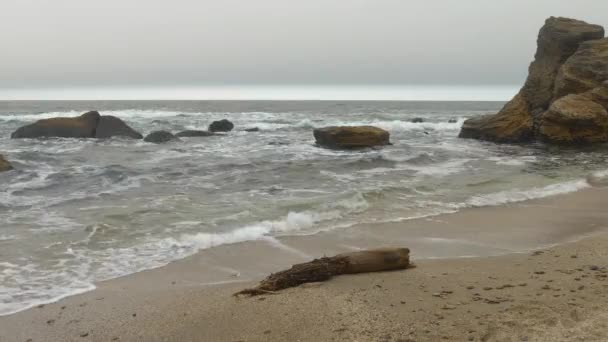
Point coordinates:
[(322, 269)]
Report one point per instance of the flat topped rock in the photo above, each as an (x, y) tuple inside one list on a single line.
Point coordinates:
[(349, 137), (4, 164)]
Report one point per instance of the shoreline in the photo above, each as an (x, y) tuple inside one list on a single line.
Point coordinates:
[(208, 278)]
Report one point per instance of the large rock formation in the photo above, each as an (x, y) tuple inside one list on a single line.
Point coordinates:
[(571, 58), (348, 137), (88, 125), (4, 164), (79, 127)]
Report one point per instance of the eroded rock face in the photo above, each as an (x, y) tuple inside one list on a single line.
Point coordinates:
[(221, 126), (574, 119), (557, 40), (159, 137), (571, 58), (111, 126), (586, 69), (349, 137), (79, 127), (512, 124), (4, 164)]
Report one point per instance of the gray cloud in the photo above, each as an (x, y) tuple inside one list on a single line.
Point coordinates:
[(187, 42)]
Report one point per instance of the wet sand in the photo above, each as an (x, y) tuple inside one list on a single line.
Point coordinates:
[(540, 274)]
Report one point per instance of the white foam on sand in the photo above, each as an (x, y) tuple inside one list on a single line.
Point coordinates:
[(518, 195)]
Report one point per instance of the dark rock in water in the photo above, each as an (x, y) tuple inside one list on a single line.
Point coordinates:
[(159, 137), (254, 129), (194, 133), (453, 121), (348, 137), (111, 126), (4, 164), (571, 58), (417, 120), (83, 126), (221, 126)]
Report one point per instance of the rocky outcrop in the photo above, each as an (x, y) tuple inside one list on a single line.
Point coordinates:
[(348, 137), (159, 137), (111, 126), (88, 125), (221, 126), (571, 58), (79, 127), (4, 164), (194, 133)]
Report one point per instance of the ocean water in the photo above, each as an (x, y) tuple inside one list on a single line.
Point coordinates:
[(79, 211)]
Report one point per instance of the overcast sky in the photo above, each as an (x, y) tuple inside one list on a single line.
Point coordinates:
[(71, 43)]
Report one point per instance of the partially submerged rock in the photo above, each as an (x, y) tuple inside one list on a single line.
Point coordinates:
[(417, 120), (159, 137), (323, 269), (348, 137), (221, 126), (571, 58), (194, 133), (4, 164), (111, 126), (88, 125), (253, 129), (79, 127)]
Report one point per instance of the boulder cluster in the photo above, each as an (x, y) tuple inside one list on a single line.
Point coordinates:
[(565, 97)]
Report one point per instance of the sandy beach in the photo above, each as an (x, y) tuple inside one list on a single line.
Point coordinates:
[(555, 293)]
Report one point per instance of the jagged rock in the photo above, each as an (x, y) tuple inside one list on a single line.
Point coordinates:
[(83, 126), (348, 137), (111, 126), (557, 40), (571, 58), (159, 137), (4, 164), (221, 126), (194, 133), (574, 119)]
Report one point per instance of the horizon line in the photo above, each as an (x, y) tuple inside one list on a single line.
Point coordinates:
[(267, 93)]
